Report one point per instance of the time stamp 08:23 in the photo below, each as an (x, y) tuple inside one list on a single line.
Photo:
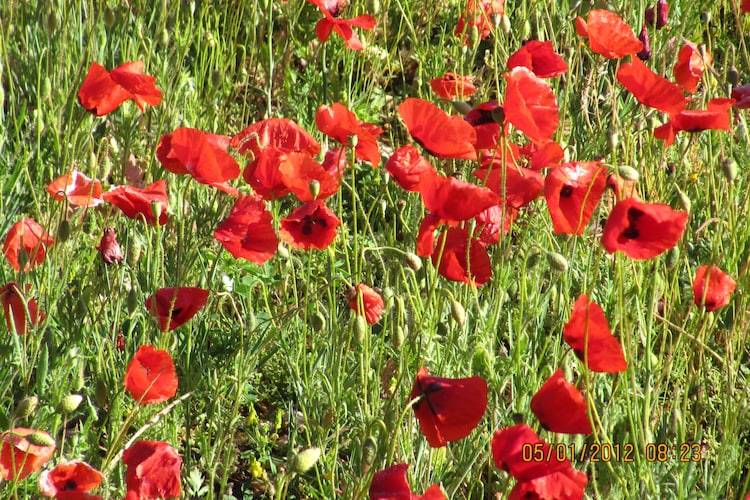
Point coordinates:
[(606, 452)]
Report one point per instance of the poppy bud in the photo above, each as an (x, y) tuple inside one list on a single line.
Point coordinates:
[(505, 24), (156, 209), (314, 188), (51, 21), (557, 262), (63, 231), (39, 120), (42, 365), (40, 438), (662, 13), (164, 38), (101, 393), (729, 168), (498, 115), (741, 131), (46, 88), (532, 260), (705, 16), (304, 460), (318, 322), (413, 261), (628, 173), (109, 248), (645, 53), (684, 200), (353, 140), (613, 138), (26, 407), (649, 16), (397, 339), (369, 452), (109, 17), (360, 328), (733, 76), (217, 78), (458, 313), (481, 363), (23, 258), (135, 248), (474, 35), (132, 301), (461, 107), (69, 404)]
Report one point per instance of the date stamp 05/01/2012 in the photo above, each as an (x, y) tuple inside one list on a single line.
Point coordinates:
[(606, 452)]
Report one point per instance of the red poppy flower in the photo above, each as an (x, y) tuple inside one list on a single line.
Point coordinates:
[(109, 248), (313, 225), (452, 86), (742, 96), (493, 222), (19, 457), (442, 135), (542, 154), (539, 57), (568, 484), (153, 470), (391, 484), (462, 260), (712, 288), (507, 452), (137, 203), (298, 171), (622, 188), (440, 193), (642, 230), (173, 307), (338, 122), (690, 66), (79, 190), (479, 14), (651, 89), (530, 105), (202, 155), (560, 407), (102, 92), (70, 481), (335, 162), (408, 168), (487, 130), (426, 235), (522, 185), (608, 34), (150, 377), (588, 333), (28, 241), (716, 117), (448, 408), (15, 306), (342, 27), (745, 7), (366, 302), (572, 192), (248, 231)]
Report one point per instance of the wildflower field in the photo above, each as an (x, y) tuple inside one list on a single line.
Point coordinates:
[(384, 249)]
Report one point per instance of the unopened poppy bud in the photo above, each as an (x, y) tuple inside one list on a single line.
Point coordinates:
[(705, 16), (304, 460), (353, 140), (283, 251), (741, 132), (413, 261), (649, 16), (369, 451), (733, 76), (360, 328), (498, 115), (40, 438), (69, 404), (397, 339), (458, 313), (628, 173), (132, 300), (461, 107), (39, 120), (505, 24), (23, 258), (217, 78), (156, 209), (318, 321), (26, 407), (684, 200), (314, 188), (51, 22), (481, 363), (613, 138), (46, 88), (557, 262), (109, 17), (729, 168), (673, 257), (662, 13), (135, 248), (251, 321), (63, 231), (473, 35), (101, 393), (533, 260)]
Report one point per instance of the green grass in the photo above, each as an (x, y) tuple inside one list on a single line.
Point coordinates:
[(263, 378)]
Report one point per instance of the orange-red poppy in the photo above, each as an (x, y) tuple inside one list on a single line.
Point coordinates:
[(541, 155), (70, 481), (572, 191), (440, 193), (608, 34), (426, 235), (15, 307), (153, 470), (642, 230), (138, 203), (479, 14), (522, 185), (560, 407), (448, 409), (342, 27), (26, 241), (102, 92), (313, 225), (530, 104), (622, 188), (460, 259), (19, 457), (539, 57), (150, 377), (587, 333), (408, 168), (715, 117), (442, 135), (482, 118), (173, 307), (202, 155), (493, 222), (712, 288), (338, 122), (568, 484), (690, 66), (651, 89), (77, 188), (453, 86), (248, 231), (366, 302), (298, 171), (109, 248), (391, 484)]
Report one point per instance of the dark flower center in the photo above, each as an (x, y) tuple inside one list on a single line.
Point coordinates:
[(566, 191), (70, 485), (634, 214), (632, 232), (309, 222)]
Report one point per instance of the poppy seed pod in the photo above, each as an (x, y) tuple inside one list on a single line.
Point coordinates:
[(69, 404), (360, 329), (304, 460), (729, 168), (557, 262), (26, 407), (369, 451), (63, 231), (40, 438), (628, 173)]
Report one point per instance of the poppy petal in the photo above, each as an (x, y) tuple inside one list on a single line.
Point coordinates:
[(539, 57), (137, 203), (572, 191), (366, 302), (609, 35), (452, 86), (28, 241), (560, 407), (19, 457), (651, 89), (77, 188), (588, 334), (507, 452), (712, 288), (439, 194), (173, 307), (153, 470), (442, 135), (313, 225), (530, 104), (462, 260), (248, 231)]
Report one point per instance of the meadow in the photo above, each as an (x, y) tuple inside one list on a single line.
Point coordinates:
[(310, 242)]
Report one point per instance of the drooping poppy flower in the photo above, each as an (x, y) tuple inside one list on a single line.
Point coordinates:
[(342, 27), (313, 225), (391, 484), (15, 307), (572, 191), (150, 377), (715, 117), (560, 407), (522, 185), (19, 457), (70, 481), (78, 189), (608, 34), (452, 86), (26, 241), (442, 135), (173, 307), (109, 248), (659, 16), (440, 193), (741, 95), (138, 203), (153, 470), (102, 92), (539, 57), (461, 259), (248, 231), (482, 119), (298, 171), (338, 122), (690, 66), (588, 334), (651, 89), (408, 168), (712, 288), (479, 14), (448, 408), (366, 302), (642, 230), (530, 104), (542, 155), (202, 155)]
